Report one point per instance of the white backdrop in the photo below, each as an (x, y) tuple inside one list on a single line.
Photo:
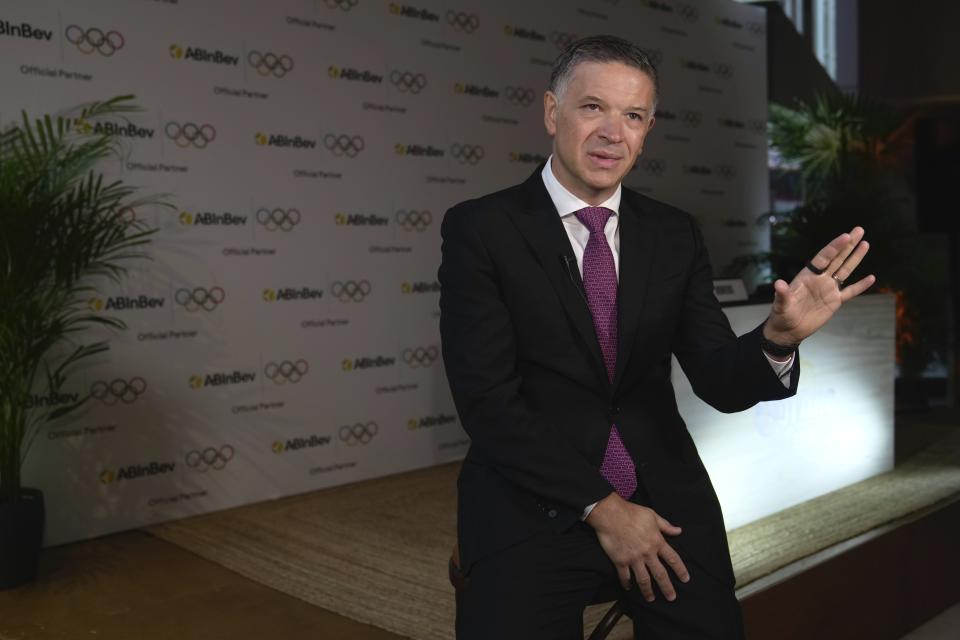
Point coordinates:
[(283, 337)]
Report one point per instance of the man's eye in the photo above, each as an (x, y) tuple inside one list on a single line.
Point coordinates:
[(591, 107), (635, 116)]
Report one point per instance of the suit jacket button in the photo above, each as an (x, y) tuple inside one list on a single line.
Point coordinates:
[(552, 513)]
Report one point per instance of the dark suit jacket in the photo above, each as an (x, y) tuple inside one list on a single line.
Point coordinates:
[(528, 381)]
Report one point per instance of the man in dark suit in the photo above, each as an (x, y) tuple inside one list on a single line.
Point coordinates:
[(562, 300)]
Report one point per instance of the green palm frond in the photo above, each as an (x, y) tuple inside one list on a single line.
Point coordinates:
[(61, 225), (825, 136)]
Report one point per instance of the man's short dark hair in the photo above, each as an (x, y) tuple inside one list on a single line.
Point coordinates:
[(602, 49)]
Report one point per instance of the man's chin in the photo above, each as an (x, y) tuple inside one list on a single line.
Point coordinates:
[(604, 180)]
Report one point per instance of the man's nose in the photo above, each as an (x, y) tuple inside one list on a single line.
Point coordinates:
[(611, 129)]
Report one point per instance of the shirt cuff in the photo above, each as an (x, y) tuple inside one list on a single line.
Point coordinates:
[(587, 510), (782, 369)]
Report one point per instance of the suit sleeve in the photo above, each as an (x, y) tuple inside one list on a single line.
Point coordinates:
[(480, 356), (727, 372)]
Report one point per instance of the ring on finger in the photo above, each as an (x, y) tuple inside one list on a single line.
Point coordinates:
[(814, 268), (839, 280)]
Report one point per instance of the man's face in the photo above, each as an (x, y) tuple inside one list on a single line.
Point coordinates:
[(598, 124)]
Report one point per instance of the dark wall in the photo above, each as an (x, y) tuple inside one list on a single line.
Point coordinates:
[(909, 51), (793, 71)]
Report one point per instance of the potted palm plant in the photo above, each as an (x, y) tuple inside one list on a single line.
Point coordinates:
[(61, 223), (848, 156)]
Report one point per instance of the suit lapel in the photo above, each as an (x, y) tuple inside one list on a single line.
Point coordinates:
[(638, 248), (540, 224)]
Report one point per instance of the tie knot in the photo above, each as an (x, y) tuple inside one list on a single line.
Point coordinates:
[(594, 218)]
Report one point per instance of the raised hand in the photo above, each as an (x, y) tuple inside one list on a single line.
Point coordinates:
[(818, 291)]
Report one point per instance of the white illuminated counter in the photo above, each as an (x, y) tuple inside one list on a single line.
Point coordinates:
[(837, 430)]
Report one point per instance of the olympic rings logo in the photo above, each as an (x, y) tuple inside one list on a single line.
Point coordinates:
[(723, 70), (344, 145), (283, 219), (267, 63), (286, 371), (199, 136), (688, 12), (414, 220), (467, 153), (209, 458), (93, 39), (691, 118), (519, 95), (561, 39), (727, 171), (200, 298), (351, 291), (407, 81), (654, 166), (655, 56), (119, 390), (345, 5), (464, 22), (358, 434), (420, 356)]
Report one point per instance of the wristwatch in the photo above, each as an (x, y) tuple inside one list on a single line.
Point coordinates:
[(774, 349)]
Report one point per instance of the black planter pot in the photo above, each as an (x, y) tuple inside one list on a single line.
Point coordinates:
[(21, 534)]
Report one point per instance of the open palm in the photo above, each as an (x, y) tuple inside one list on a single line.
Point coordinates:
[(817, 292)]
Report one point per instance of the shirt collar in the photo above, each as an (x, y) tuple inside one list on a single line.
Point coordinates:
[(567, 203)]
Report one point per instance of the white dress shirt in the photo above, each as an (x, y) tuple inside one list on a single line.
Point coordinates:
[(567, 205)]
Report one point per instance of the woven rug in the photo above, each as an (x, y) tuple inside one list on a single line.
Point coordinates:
[(377, 551)]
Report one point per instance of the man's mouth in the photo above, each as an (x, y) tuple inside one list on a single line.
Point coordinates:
[(604, 160)]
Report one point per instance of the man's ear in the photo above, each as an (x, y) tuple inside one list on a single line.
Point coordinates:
[(550, 106)]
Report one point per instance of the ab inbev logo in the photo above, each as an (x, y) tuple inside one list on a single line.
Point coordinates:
[(367, 362), (300, 443), (418, 150), (527, 157), (428, 422), (136, 471), (360, 220), (200, 54), (409, 11), (356, 75), (477, 90), (291, 294), (211, 219), (221, 379), (124, 129), (125, 303), (24, 30), (512, 31), (420, 287), (284, 141)]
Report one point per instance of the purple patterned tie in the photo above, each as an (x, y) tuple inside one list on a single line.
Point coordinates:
[(600, 280)]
